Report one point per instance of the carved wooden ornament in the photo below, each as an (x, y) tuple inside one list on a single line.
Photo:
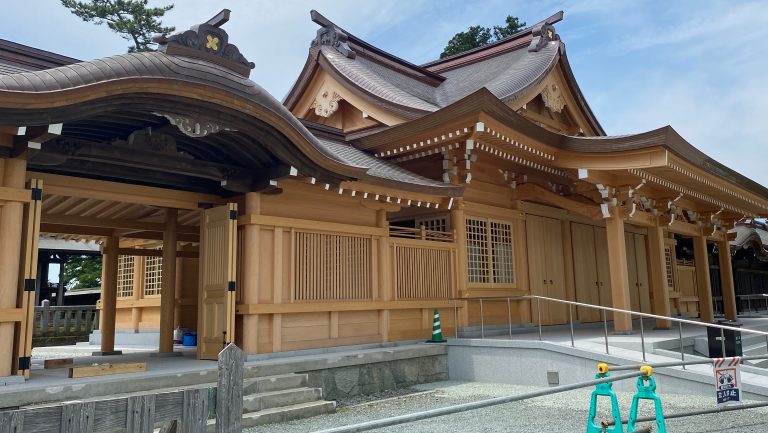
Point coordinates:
[(553, 97), (326, 103)]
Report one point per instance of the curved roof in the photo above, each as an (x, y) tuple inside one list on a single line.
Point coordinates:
[(160, 82), (507, 68), (751, 234)]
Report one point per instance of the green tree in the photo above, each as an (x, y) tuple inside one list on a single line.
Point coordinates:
[(82, 272), (132, 19), (477, 36)]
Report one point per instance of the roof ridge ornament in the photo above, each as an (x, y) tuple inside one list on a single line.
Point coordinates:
[(544, 32), (207, 41), (330, 34)]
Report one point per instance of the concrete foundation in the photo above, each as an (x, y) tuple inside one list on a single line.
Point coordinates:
[(127, 337)]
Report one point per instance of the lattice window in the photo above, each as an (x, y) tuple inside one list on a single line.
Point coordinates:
[(153, 276), (668, 265), (490, 254), (125, 268), (423, 272), (332, 267), (438, 224)]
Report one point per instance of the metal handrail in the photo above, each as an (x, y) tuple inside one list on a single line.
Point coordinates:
[(604, 310)]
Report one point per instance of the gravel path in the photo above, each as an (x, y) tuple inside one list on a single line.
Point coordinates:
[(564, 412)]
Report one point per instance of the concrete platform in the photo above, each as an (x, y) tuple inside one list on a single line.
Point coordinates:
[(176, 372)]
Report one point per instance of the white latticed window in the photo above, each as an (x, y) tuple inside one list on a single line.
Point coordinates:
[(490, 256), (153, 276), (125, 267)]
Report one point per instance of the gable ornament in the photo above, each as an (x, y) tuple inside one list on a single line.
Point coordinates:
[(326, 103), (194, 126), (553, 97)]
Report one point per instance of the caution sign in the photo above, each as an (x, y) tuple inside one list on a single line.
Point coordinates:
[(727, 380)]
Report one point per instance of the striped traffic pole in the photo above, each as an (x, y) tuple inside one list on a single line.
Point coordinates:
[(437, 331)]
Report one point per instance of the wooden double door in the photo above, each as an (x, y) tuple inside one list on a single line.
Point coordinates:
[(546, 267), (592, 278)]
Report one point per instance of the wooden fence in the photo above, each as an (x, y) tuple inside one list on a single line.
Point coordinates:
[(65, 320), (183, 411), (423, 269)]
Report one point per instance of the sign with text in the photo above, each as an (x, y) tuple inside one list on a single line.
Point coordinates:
[(727, 380)]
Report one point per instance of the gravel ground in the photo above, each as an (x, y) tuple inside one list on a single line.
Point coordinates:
[(564, 412)]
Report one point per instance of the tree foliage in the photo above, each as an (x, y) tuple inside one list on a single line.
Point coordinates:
[(132, 19), (477, 36), (82, 272)]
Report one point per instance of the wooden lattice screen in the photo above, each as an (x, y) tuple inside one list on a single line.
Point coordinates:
[(125, 268), (668, 265), (153, 276), (423, 272), (490, 257), (331, 267)]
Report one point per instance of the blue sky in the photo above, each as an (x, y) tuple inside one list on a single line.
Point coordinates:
[(699, 66)]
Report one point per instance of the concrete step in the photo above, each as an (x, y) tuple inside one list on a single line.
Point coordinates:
[(276, 399), (288, 413), (274, 383)]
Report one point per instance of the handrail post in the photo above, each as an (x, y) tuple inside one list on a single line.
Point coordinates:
[(509, 316), (722, 341), (482, 322), (455, 318), (538, 315), (682, 351), (605, 329), (642, 337), (570, 319)]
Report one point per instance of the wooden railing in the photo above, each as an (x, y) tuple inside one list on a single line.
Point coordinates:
[(423, 270), (65, 320), (186, 410), (421, 233)]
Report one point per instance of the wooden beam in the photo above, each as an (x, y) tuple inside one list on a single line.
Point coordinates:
[(72, 186), (531, 191), (145, 252), (58, 363), (74, 220), (338, 306), (274, 221), (680, 227), (15, 194), (27, 146), (107, 369), (11, 315)]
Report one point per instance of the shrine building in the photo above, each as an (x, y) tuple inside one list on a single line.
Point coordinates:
[(377, 191)]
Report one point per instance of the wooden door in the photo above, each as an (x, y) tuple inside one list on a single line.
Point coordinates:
[(603, 270), (555, 270), (537, 275), (27, 279), (585, 270), (634, 291), (216, 299), (641, 262)]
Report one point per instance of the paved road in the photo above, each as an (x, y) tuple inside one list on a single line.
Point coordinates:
[(565, 412)]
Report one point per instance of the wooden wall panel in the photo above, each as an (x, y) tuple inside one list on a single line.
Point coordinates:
[(312, 202), (586, 280), (266, 267)]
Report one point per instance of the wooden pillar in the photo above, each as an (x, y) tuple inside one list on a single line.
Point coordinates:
[(60, 291), (178, 289), (385, 275), (726, 279), (703, 284), (138, 291), (109, 296), (11, 218), (617, 261), (657, 268), (250, 274), (168, 281), (277, 290), (458, 221)]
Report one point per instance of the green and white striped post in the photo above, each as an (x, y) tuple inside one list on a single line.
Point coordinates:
[(437, 331)]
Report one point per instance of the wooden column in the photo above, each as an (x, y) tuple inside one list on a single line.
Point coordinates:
[(657, 267), (617, 261), (703, 284), (250, 274), (11, 217), (138, 291), (384, 274), (726, 279), (109, 296), (458, 221), (168, 281)]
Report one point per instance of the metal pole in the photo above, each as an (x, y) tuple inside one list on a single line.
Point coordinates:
[(722, 341), (682, 351), (482, 323), (538, 315), (642, 338), (509, 317), (605, 329), (570, 319), (697, 412), (402, 419), (679, 363)]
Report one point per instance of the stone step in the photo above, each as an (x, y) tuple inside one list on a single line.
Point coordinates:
[(288, 413), (276, 399), (274, 383)]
